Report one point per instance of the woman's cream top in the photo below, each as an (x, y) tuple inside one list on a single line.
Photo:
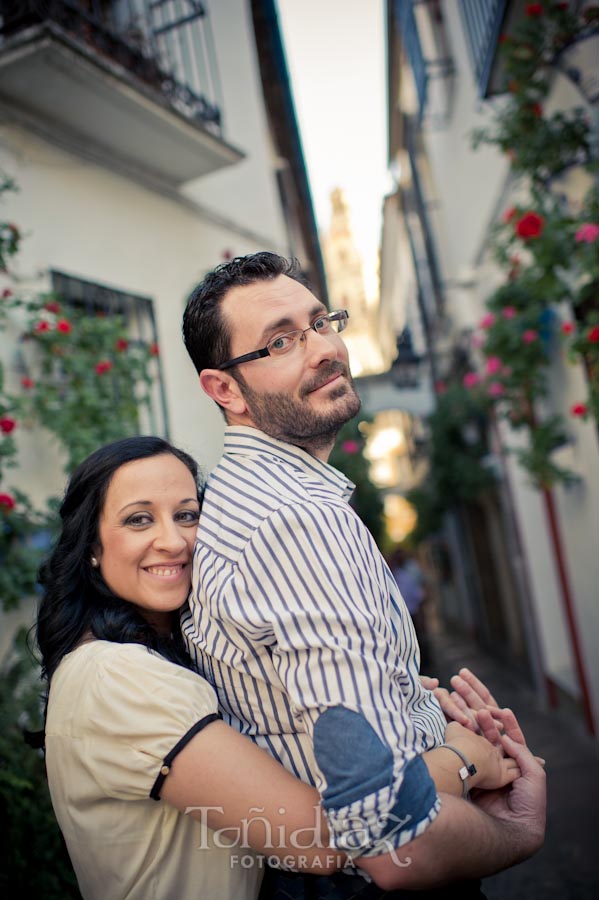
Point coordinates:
[(114, 713)]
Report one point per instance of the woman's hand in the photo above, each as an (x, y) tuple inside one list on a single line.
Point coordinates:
[(469, 695), (493, 769)]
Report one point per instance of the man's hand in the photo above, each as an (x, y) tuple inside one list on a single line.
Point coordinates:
[(524, 802)]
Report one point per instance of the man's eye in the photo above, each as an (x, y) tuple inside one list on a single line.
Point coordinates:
[(321, 324), (281, 343)]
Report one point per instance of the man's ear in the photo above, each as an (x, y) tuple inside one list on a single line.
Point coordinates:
[(223, 388)]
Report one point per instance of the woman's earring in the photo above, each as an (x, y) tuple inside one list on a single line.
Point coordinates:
[(94, 562)]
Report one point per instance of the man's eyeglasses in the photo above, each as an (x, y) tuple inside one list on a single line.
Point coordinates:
[(335, 321)]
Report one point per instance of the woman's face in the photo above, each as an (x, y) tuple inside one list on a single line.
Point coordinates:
[(147, 531)]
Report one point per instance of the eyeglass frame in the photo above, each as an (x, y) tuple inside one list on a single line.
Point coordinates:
[(337, 315)]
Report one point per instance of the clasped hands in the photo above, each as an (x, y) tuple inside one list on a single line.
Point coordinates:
[(472, 705)]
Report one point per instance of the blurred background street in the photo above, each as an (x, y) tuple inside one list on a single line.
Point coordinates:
[(568, 864)]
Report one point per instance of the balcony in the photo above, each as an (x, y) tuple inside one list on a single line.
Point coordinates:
[(483, 22), (422, 33), (130, 84)]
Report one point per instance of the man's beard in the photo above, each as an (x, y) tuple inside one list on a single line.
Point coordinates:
[(295, 421)]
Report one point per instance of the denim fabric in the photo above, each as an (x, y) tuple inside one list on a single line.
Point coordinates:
[(351, 757)]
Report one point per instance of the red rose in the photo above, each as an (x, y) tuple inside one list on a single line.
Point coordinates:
[(121, 344), (509, 214), (154, 350), (534, 9), (536, 109), (504, 38), (579, 409), (6, 293), (64, 326), (567, 327), (27, 383), (7, 502), (7, 424), (530, 226), (593, 335), (52, 306), (103, 366), (41, 327)]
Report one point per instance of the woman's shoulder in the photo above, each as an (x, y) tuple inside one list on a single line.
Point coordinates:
[(104, 674), (133, 663)]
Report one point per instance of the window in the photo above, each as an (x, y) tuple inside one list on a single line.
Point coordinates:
[(138, 315)]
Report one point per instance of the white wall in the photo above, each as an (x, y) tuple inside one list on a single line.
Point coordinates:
[(87, 222)]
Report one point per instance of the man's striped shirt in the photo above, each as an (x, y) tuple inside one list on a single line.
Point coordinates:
[(297, 621)]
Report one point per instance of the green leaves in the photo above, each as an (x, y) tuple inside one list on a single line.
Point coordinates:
[(85, 383), (458, 449), (549, 247)]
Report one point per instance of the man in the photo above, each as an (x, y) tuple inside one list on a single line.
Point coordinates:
[(294, 616)]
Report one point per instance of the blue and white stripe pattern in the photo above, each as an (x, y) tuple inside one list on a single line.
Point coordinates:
[(294, 612)]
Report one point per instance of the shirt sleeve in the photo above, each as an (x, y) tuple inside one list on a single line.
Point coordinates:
[(138, 707), (313, 570)]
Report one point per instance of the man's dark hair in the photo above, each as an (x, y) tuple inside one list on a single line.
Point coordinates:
[(206, 336)]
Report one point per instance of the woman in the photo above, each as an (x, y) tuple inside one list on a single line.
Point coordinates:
[(129, 723)]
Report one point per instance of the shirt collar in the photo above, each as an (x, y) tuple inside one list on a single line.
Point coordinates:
[(243, 439)]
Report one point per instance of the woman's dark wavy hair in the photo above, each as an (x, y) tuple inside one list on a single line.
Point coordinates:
[(75, 598)]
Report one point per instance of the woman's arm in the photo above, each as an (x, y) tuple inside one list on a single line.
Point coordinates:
[(226, 781)]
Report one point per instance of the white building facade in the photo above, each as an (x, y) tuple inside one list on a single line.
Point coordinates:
[(543, 561), (149, 143)]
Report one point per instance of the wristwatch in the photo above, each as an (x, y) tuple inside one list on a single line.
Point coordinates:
[(465, 771)]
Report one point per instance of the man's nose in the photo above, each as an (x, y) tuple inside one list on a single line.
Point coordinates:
[(320, 347)]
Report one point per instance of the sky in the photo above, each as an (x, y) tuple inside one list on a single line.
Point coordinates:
[(336, 58)]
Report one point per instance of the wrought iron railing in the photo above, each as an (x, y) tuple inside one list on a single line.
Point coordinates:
[(406, 21), (166, 44), (483, 20)]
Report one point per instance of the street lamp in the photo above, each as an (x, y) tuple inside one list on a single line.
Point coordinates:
[(405, 368)]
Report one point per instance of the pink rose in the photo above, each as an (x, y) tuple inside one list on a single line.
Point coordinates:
[(470, 380), (350, 447), (530, 336), (487, 321), (495, 389), (494, 365), (587, 233), (509, 312)]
